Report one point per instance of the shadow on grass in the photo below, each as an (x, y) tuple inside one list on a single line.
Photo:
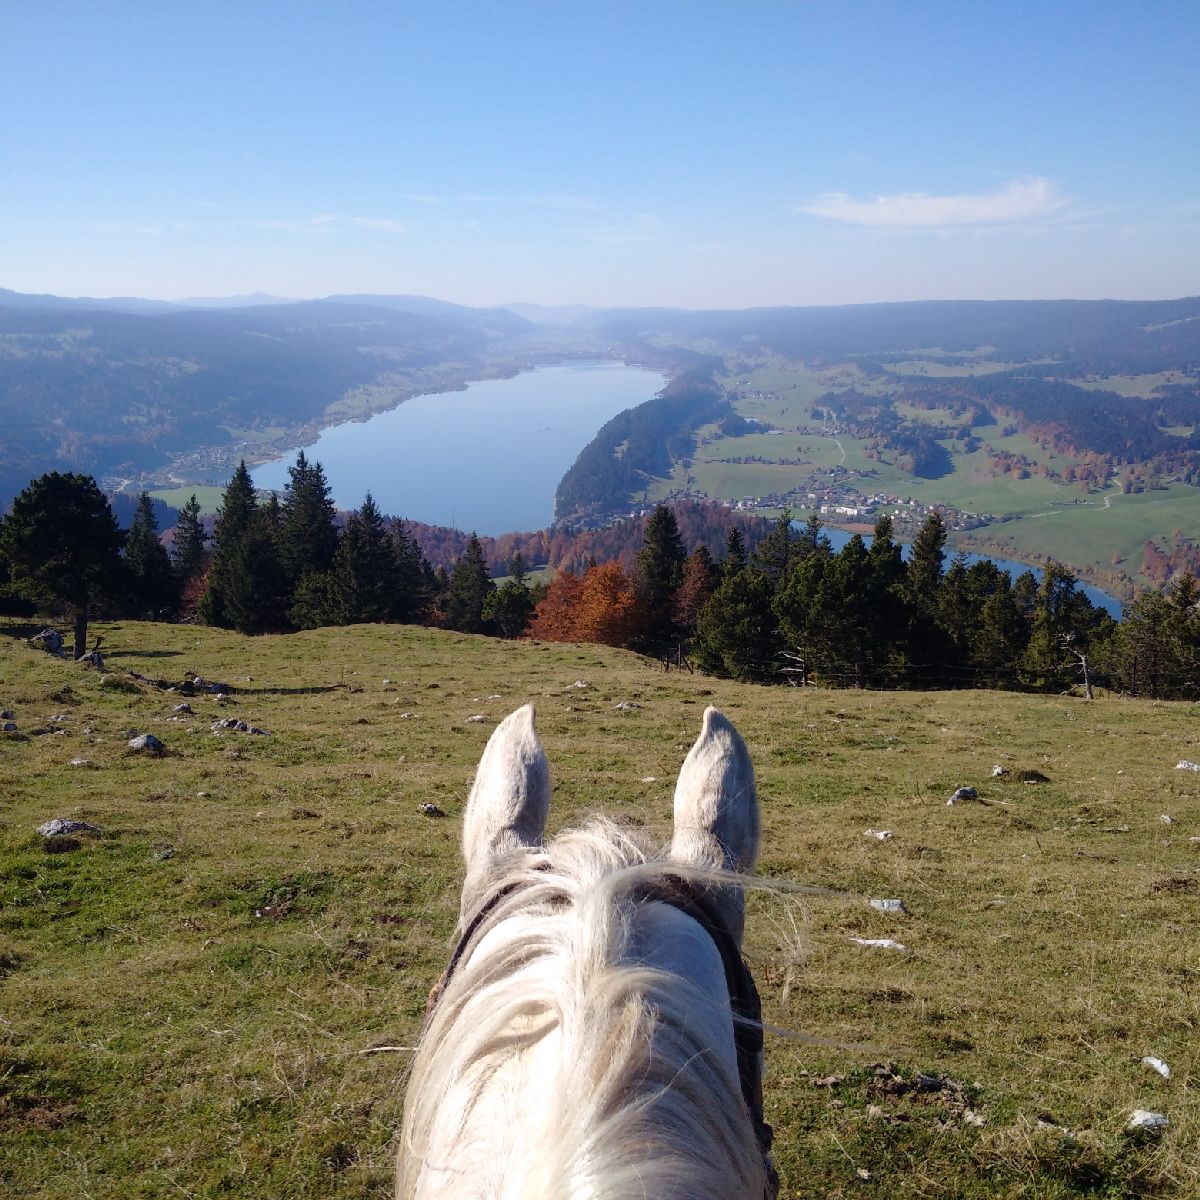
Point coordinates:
[(141, 653)]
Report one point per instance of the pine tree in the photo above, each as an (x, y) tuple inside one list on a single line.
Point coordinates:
[(416, 583), (62, 545), (258, 593), (366, 569), (309, 539), (658, 572), (736, 631), (151, 581), (468, 589), (234, 518), (777, 550), (509, 607), (187, 545), (735, 552)]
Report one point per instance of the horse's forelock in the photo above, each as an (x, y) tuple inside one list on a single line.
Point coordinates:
[(557, 963)]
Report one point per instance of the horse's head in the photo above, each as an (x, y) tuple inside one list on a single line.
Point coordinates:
[(596, 1033)]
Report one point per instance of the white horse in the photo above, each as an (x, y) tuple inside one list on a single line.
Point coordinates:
[(595, 1036)]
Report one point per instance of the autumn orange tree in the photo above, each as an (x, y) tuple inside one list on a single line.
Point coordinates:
[(608, 610), (556, 617)]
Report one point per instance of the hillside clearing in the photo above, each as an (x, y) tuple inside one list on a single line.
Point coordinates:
[(193, 998)]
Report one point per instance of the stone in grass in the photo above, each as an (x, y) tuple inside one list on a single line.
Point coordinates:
[(81, 762), (62, 826), (476, 719), (8, 727), (237, 726), (880, 835), (183, 708), (429, 809), (889, 906), (1146, 1123), (8, 715), (880, 943), (147, 743), (627, 706), (963, 793)]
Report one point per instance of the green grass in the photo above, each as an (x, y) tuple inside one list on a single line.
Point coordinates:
[(209, 498), (188, 997)]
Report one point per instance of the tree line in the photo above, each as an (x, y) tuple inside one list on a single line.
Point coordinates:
[(787, 610)]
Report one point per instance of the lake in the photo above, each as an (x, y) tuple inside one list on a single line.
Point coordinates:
[(487, 458), (839, 537)]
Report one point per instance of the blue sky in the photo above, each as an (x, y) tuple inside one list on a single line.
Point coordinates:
[(697, 154)]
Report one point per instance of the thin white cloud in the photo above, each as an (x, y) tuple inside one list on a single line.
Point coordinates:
[(331, 221), (1017, 200)]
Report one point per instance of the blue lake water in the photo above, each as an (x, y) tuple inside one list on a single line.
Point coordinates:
[(487, 458), (839, 537)]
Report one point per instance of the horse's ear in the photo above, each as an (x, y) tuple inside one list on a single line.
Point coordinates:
[(716, 805), (510, 798)]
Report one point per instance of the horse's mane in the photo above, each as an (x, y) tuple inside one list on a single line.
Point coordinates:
[(644, 1108)]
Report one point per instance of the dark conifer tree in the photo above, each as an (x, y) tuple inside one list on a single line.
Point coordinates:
[(366, 569), (777, 551), (187, 545), (735, 552), (151, 582), (658, 572), (309, 539), (468, 590), (62, 545), (416, 583), (234, 518), (258, 594), (736, 631)]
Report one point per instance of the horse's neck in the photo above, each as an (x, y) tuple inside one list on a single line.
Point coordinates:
[(515, 1130)]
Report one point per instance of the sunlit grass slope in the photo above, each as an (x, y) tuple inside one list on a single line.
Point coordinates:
[(212, 998)]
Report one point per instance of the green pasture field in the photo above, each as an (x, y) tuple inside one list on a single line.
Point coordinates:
[(945, 370), (213, 997), (209, 498), (1091, 533), (1132, 385)]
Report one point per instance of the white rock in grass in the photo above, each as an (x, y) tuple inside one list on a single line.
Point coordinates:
[(476, 719), (998, 772), (1157, 1064), (963, 793), (1144, 1121), (889, 906), (880, 943), (59, 826), (1166, 819), (1185, 764), (147, 743), (880, 835)]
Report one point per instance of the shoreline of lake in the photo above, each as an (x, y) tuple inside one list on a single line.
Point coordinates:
[(486, 456)]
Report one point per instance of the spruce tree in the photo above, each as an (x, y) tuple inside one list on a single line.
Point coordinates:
[(366, 568), (468, 589), (238, 508), (416, 584), (309, 539), (777, 550), (151, 582), (187, 545), (736, 631), (658, 572), (258, 594), (62, 545), (735, 552)]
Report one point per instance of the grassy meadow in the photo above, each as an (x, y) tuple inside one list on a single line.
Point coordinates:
[(212, 997)]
